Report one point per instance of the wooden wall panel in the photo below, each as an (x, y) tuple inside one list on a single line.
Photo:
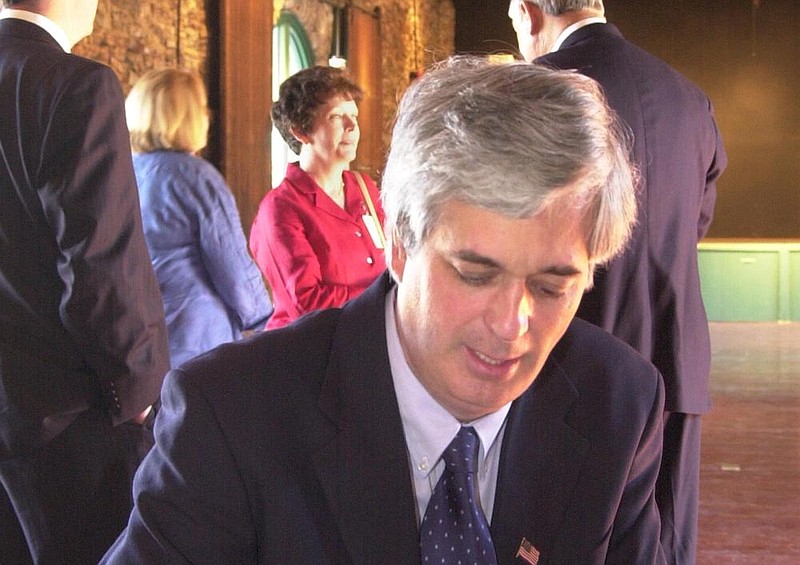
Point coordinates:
[(364, 66), (245, 100)]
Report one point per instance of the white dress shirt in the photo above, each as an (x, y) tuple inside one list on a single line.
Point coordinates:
[(429, 428), (569, 30)]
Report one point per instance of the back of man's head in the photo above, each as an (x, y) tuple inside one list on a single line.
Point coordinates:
[(558, 7), (511, 138)]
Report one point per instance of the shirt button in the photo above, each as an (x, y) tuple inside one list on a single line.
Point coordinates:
[(358, 233), (370, 260)]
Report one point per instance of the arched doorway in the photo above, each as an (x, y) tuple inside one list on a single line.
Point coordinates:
[(291, 52)]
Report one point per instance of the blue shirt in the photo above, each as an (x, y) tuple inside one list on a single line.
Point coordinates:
[(210, 286)]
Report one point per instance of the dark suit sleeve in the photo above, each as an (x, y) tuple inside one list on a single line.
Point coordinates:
[(715, 169), (191, 503), (110, 303)]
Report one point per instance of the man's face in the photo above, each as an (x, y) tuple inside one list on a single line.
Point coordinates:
[(484, 300)]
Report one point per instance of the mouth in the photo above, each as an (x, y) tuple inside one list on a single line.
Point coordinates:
[(487, 359), (494, 366)]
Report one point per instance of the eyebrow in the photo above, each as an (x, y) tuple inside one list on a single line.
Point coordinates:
[(477, 259)]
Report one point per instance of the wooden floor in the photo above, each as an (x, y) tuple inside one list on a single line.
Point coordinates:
[(750, 473)]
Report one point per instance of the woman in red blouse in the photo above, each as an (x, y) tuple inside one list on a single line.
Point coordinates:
[(316, 238)]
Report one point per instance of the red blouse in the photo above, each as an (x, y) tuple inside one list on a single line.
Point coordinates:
[(313, 253)]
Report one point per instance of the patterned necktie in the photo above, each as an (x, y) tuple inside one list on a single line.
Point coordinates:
[(454, 530)]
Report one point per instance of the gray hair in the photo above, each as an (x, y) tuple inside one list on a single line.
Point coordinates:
[(514, 139), (558, 7)]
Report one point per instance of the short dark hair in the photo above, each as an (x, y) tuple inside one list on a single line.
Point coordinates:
[(303, 93)]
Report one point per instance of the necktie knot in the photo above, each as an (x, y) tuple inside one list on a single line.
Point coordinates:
[(461, 456)]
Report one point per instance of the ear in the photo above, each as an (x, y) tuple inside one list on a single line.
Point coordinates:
[(398, 256), (299, 136), (533, 15)]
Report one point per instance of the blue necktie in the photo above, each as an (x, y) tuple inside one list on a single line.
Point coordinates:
[(454, 530)]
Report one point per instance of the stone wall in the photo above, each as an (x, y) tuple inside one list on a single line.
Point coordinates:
[(317, 19), (415, 33), (133, 36)]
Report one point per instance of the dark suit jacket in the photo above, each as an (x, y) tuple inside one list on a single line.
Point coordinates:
[(650, 295), (81, 320), (289, 448)]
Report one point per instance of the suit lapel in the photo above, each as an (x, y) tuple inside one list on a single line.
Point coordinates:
[(538, 445), (364, 470)]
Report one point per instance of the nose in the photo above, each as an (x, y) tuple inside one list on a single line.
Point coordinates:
[(508, 316), (350, 123)]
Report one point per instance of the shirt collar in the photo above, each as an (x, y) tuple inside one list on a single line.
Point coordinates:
[(429, 428), (569, 30), (43, 22)]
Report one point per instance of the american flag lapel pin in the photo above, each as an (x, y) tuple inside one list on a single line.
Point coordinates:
[(528, 552)]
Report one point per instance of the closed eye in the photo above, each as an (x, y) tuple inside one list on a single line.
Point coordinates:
[(473, 269), (475, 279), (550, 290)]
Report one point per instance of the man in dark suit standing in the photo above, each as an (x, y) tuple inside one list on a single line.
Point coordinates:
[(649, 296), (332, 440), (83, 347)]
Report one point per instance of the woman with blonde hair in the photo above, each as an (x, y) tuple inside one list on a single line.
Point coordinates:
[(211, 288)]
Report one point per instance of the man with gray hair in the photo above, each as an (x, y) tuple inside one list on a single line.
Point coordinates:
[(649, 296), (456, 411), (83, 343)]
